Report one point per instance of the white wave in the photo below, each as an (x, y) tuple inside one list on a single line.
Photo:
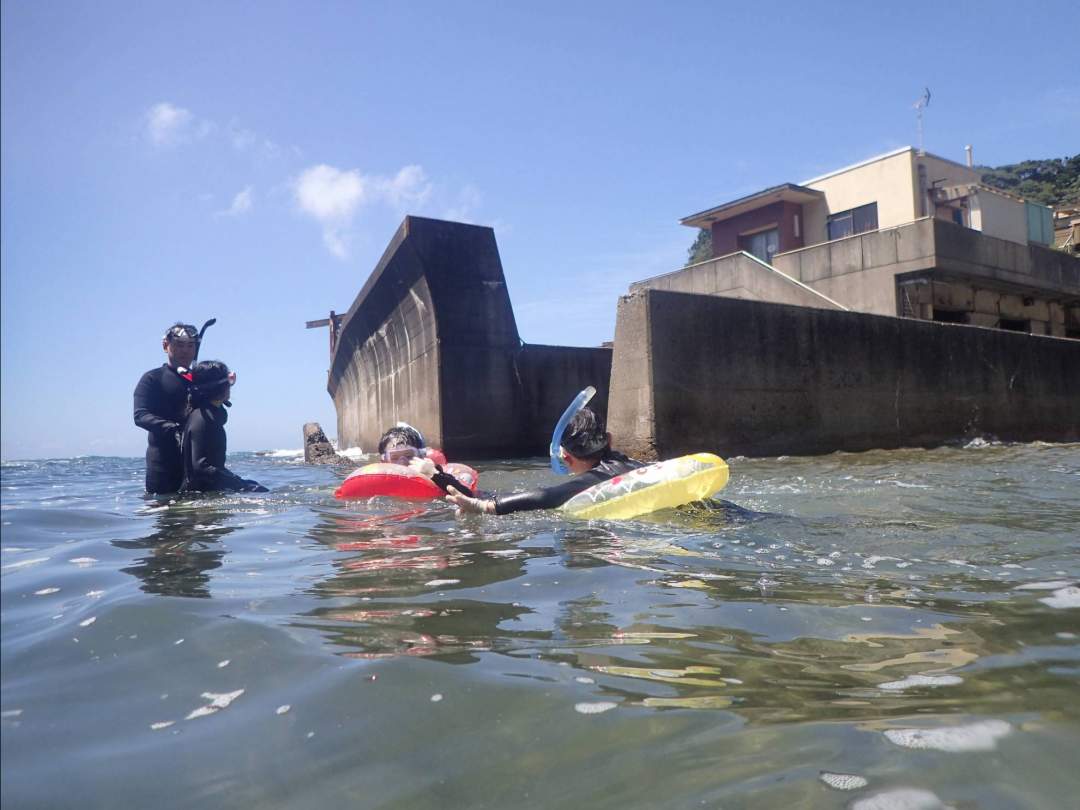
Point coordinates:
[(352, 452), (283, 453)]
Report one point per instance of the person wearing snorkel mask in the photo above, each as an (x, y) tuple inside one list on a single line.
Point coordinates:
[(403, 444), (586, 452), (203, 445), (161, 400)]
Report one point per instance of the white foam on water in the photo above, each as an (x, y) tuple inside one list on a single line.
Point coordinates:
[(352, 452), (161, 725), (82, 562), (25, 563), (912, 681), (843, 781), (223, 664), (584, 679), (1052, 585), (283, 453), (594, 708), (825, 561), (1064, 598), (981, 736), (1065, 635), (95, 594), (436, 698), (218, 701), (12, 549), (8, 713), (88, 622), (178, 641), (46, 591), (282, 709), (435, 583), (900, 799)]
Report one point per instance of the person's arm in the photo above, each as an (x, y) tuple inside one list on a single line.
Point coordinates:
[(543, 498), (145, 401)]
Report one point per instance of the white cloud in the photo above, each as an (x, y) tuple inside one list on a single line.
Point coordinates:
[(167, 124), (241, 203), (462, 209), (409, 187), (331, 196)]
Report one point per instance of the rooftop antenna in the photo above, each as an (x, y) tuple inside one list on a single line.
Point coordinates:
[(920, 105)]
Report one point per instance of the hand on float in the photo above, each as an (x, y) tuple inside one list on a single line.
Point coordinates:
[(424, 466), (466, 504)]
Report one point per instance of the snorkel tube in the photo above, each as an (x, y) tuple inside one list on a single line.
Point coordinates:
[(580, 401), (198, 343)]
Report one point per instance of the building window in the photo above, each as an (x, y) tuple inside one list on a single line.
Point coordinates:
[(855, 220), (950, 315), (1014, 325), (762, 244)]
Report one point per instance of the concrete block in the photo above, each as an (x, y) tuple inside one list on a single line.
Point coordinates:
[(986, 301), (845, 256), (879, 248)]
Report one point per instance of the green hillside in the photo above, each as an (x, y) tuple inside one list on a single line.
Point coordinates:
[(1054, 182)]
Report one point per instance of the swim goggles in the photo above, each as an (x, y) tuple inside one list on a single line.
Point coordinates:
[(182, 332), (401, 455)]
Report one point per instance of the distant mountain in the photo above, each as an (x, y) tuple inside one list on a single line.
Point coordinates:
[(1054, 182)]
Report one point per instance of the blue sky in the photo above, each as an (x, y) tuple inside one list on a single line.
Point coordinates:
[(250, 161)]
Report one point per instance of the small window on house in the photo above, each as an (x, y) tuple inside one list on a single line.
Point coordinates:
[(855, 220), (950, 316), (1014, 325)]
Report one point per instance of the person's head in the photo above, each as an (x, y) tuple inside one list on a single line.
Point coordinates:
[(400, 444), (211, 382), (585, 441), (181, 342)]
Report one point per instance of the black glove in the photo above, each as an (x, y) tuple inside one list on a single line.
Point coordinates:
[(178, 434)]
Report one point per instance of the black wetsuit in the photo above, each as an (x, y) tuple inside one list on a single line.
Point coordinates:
[(204, 454), (160, 404), (612, 464)]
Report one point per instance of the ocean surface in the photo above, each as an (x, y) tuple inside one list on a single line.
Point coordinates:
[(883, 630)]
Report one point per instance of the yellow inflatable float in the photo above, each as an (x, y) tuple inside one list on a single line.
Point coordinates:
[(663, 485)]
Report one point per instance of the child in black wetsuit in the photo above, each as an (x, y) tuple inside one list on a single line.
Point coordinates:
[(203, 444), (586, 447), (403, 444)]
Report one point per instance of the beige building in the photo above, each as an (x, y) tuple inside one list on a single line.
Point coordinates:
[(906, 234)]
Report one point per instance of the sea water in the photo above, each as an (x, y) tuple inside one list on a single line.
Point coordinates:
[(875, 630)]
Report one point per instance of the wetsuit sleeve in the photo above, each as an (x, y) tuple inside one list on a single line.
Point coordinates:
[(546, 497), (145, 402)]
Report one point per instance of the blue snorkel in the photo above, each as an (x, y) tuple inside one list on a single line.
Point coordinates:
[(580, 401)]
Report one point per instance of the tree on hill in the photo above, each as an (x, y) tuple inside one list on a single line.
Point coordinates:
[(1054, 182)]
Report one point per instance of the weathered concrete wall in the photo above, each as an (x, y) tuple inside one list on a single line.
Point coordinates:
[(750, 378), (431, 340), (738, 275)]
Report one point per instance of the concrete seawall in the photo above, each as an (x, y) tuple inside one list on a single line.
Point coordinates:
[(737, 377), (431, 339)]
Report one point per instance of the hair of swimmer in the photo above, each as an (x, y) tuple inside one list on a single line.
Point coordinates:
[(400, 437), (209, 382), (586, 436)]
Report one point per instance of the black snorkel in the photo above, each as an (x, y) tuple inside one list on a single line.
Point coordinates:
[(198, 343)]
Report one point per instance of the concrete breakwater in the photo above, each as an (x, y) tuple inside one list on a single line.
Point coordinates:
[(695, 372), (431, 339)]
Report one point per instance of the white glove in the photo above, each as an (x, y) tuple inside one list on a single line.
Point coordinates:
[(424, 466), (466, 504)]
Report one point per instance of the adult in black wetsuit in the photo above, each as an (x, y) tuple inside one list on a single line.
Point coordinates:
[(204, 445), (161, 401), (587, 449)]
